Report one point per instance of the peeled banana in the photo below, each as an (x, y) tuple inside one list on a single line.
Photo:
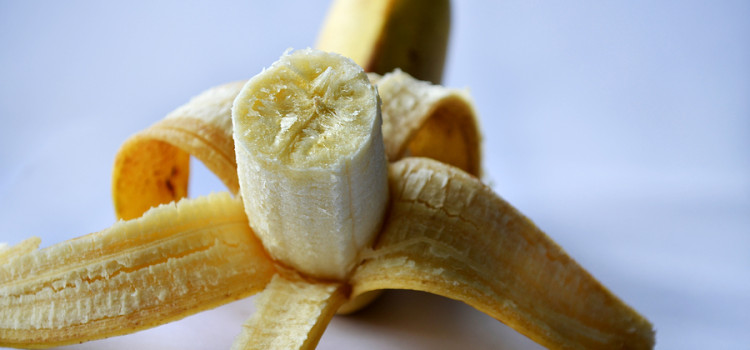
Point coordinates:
[(445, 233), (311, 161)]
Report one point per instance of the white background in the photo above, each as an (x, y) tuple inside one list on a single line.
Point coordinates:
[(621, 128)]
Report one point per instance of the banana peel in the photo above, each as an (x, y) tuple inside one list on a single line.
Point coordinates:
[(449, 234)]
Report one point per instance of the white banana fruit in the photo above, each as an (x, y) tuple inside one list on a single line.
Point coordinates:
[(311, 161)]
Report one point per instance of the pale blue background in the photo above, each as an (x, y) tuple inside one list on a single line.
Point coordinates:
[(621, 128)]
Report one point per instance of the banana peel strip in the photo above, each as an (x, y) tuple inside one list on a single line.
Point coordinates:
[(176, 260), (291, 314), (152, 166), (450, 235)]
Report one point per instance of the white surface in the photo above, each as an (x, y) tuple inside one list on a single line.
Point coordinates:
[(621, 129)]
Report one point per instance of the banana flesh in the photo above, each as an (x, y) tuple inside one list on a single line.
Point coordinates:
[(383, 35), (449, 234), (311, 161), (175, 260)]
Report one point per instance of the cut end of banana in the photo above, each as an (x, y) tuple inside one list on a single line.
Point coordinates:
[(311, 160), (295, 112)]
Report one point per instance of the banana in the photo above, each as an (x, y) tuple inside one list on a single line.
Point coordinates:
[(382, 35), (311, 161), (324, 222)]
